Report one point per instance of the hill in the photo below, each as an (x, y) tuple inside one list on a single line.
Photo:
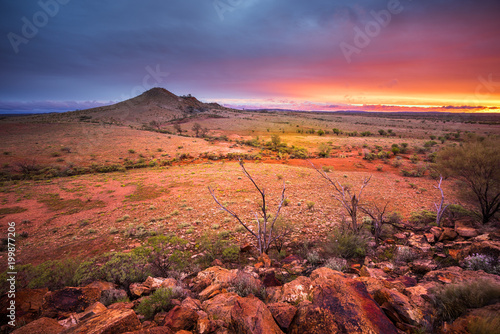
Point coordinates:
[(156, 105)]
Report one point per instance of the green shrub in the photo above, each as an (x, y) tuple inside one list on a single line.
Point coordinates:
[(324, 150), (345, 244), (310, 205), (453, 300), (167, 254), (483, 262), (231, 253), (52, 274), (160, 300), (423, 217)]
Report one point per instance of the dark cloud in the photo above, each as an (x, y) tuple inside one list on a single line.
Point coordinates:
[(102, 49)]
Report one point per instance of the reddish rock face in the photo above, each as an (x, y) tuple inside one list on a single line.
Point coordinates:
[(250, 316), (69, 300), (283, 313), (339, 304), (41, 326), (181, 318), (109, 322)]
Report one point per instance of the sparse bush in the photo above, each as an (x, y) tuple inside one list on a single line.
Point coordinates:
[(336, 263), (324, 150), (453, 300), (126, 268), (53, 274), (231, 253), (314, 258), (405, 254), (321, 132), (160, 300), (244, 285), (167, 254), (346, 244), (379, 168), (482, 262), (310, 205), (131, 151)]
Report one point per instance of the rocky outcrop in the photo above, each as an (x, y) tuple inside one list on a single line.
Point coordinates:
[(340, 304), (181, 318), (283, 314), (41, 326), (250, 315), (69, 300), (108, 322)]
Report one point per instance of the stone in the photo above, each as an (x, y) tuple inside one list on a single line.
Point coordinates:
[(448, 234), (153, 283), (209, 291), (123, 305), (283, 314), (108, 322), (264, 258), (168, 283), (399, 309), (372, 272), (293, 292), (250, 316), (430, 238), (422, 266), (220, 306), (69, 300), (217, 275), (28, 305), (466, 232), (41, 326), (138, 289), (436, 231), (75, 318), (180, 318), (271, 280), (491, 248), (101, 285), (339, 304), (458, 275)]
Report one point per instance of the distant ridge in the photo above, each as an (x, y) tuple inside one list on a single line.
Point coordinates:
[(157, 104)]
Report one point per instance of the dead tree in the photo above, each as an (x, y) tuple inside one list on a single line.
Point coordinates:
[(265, 229), (376, 214), (441, 208), (345, 197)]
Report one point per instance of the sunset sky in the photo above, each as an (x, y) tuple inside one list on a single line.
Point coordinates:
[(439, 55)]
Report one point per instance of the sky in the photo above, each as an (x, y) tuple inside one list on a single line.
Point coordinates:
[(378, 55)]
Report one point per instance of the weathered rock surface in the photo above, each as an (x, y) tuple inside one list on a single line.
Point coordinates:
[(41, 326), (293, 292), (69, 300), (180, 318), (251, 316), (339, 304), (108, 322), (457, 275), (283, 314)]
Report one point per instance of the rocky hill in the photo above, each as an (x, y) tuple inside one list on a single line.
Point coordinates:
[(155, 105)]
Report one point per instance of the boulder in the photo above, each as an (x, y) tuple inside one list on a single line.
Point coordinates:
[(283, 314), (123, 305), (41, 326), (75, 318), (168, 283), (28, 305), (399, 309), (491, 248), (210, 291), (180, 318), (251, 316), (466, 232), (423, 266), (488, 314), (216, 275), (139, 289), (101, 285), (220, 306), (458, 275), (436, 231), (293, 292), (372, 272), (339, 304), (108, 322), (430, 237), (448, 234), (69, 300), (271, 280)]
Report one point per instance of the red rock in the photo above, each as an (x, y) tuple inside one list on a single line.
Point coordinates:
[(466, 232), (293, 292), (246, 247), (101, 285), (180, 318), (138, 289), (448, 234), (291, 258), (430, 238), (283, 313), (108, 322), (210, 291), (220, 306), (216, 275), (436, 231), (270, 280), (250, 316), (69, 300), (339, 304), (168, 283), (118, 306), (264, 258), (399, 309), (41, 326)]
